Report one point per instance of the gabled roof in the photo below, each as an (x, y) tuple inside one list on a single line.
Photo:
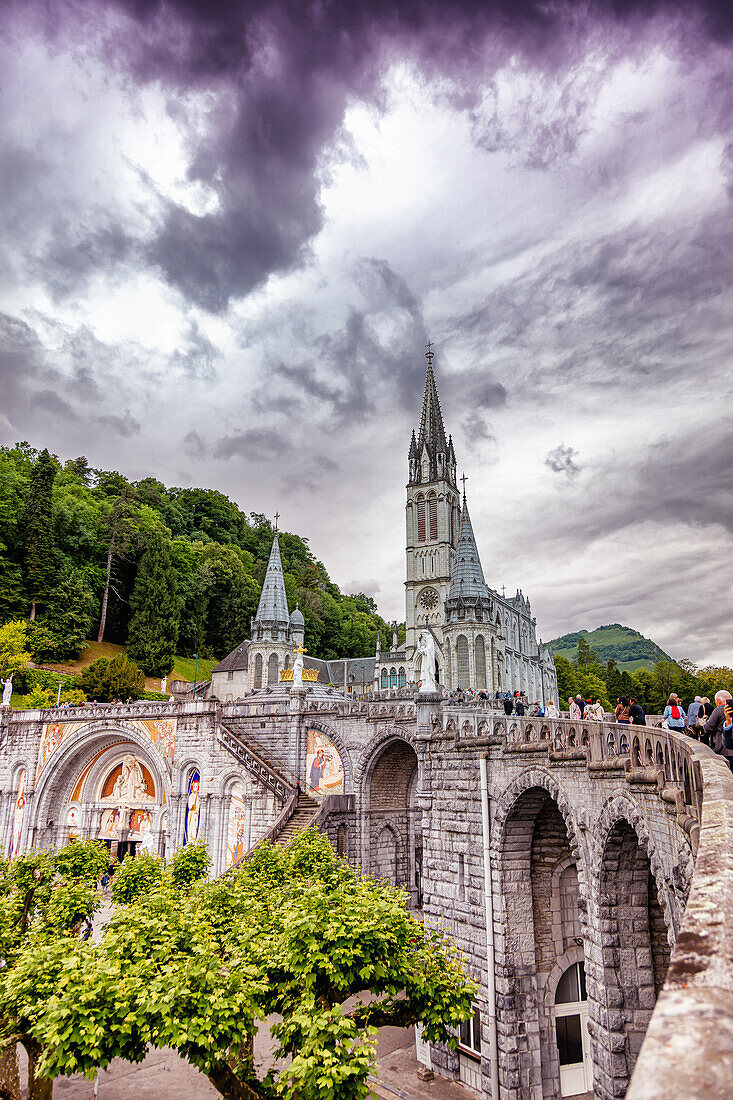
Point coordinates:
[(273, 605), (235, 661), (467, 576)]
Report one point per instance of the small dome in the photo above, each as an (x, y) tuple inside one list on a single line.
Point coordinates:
[(296, 617)]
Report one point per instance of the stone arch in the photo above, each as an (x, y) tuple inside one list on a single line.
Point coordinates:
[(636, 920), (184, 770), (89, 745), (534, 840), (388, 776)]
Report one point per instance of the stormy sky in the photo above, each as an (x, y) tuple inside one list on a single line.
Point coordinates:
[(228, 229)]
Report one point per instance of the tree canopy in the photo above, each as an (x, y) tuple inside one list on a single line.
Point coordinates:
[(193, 964), (79, 563)]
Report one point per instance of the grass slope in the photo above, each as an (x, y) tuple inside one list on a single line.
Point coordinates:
[(625, 645), (183, 668)]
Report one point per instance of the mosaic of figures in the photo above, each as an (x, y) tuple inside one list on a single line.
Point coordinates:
[(324, 768), (238, 827), (193, 804), (160, 731)]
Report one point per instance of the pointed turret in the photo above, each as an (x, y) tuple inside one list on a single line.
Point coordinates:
[(467, 576), (272, 612)]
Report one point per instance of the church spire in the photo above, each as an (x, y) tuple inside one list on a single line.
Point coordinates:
[(467, 576), (272, 610), (431, 455)]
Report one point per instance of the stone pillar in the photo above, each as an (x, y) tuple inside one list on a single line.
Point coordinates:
[(296, 751)]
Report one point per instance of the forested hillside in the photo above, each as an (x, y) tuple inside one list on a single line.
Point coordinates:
[(85, 553), (622, 644)]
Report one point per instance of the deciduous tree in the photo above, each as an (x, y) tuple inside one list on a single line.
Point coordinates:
[(294, 933)]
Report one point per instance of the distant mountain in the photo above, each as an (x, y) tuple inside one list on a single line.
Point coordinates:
[(622, 643)]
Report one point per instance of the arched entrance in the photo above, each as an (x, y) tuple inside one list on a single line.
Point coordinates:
[(571, 1032), (103, 784), (635, 949), (543, 938), (393, 829)]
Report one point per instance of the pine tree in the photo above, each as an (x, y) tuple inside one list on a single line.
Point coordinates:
[(153, 634), (70, 613), (39, 558)]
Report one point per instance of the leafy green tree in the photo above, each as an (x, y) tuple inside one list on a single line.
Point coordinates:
[(14, 654), (38, 523), (294, 933), (567, 680), (44, 899), (112, 678), (190, 864), (155, 606), (121, 527)]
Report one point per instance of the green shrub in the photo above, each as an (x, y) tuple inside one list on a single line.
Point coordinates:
[(190, 864), (116, 678), (136, 877)]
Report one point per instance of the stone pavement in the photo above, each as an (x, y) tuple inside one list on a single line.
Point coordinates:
[(165, 1076)]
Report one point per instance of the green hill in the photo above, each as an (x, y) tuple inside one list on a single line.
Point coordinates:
[(622, 643)]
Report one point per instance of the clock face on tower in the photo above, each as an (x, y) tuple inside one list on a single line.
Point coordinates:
[(428, 599)]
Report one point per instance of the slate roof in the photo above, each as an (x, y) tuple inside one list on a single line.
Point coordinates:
[(235, 661), (332, 672), (467, 576), (273, 605)]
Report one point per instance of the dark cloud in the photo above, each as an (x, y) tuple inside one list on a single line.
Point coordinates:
[(194, 444), (122, 425), (284, 73), (198, 356), (562, 460), (255, 444)]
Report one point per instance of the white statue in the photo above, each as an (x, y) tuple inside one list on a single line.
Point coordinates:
[(426, 651), (163, 685), (130, 785), (150, 843), (7, 690), (298, 667)]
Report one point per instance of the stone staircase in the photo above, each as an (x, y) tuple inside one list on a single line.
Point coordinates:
[(300, 819)]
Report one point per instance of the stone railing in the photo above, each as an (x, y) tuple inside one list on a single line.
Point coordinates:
[(648, 755), (141, 708), (247, 755), (688, 1047)]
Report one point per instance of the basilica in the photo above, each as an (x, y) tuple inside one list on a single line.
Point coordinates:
[(481, 640)]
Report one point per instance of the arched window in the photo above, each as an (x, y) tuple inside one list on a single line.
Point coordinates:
[(401, 679), (420, 519), (258, 671), (463, 668), (384, 679), (480, 657), (393, 677), (272, 669), (433, 513)]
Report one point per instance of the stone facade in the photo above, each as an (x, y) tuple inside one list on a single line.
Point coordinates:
[(590, 849)]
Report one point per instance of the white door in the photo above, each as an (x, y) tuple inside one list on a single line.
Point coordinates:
[(571, 1032)]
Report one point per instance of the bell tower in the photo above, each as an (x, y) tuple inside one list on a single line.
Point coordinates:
[(432, 515)]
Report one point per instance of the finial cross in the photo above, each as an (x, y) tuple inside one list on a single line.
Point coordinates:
[(503, 590), (429, 353), (464, 479), (277, 517)]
